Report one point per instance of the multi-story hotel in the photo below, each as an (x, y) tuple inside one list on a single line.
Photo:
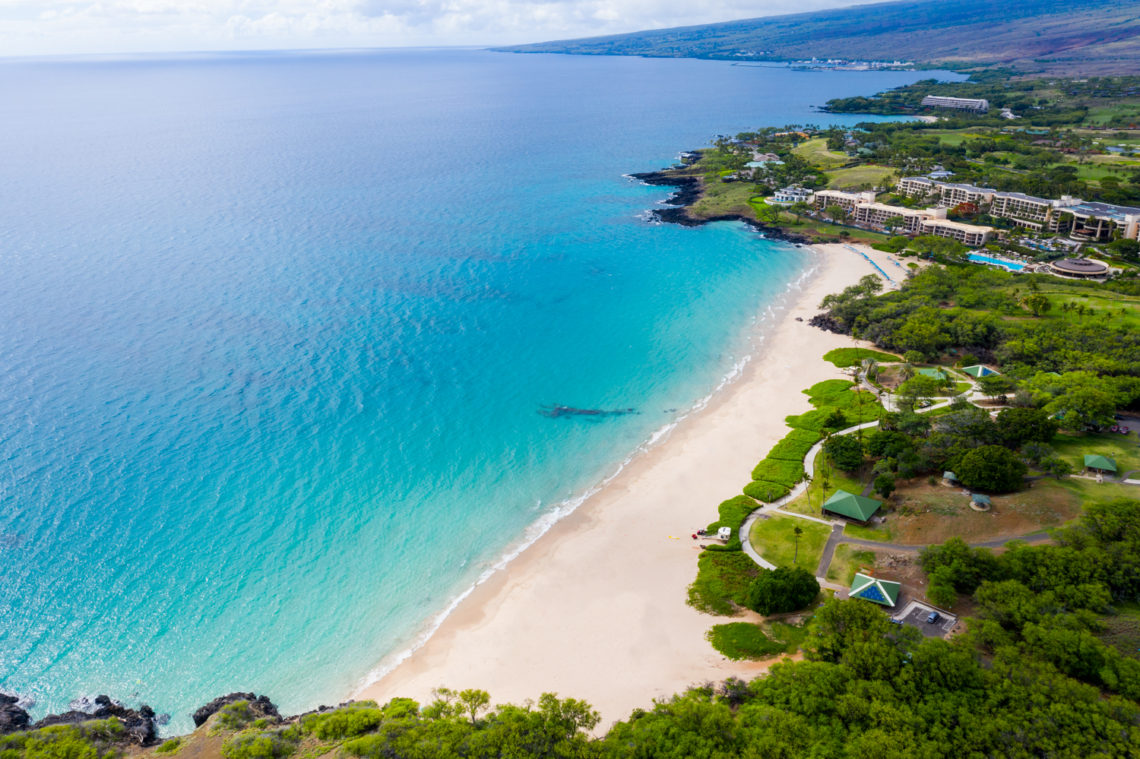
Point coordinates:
[(967, 234), (878, 214), (948, 194), (845, 200), (981, 105)]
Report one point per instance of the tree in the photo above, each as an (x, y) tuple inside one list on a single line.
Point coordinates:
[(918, 387), (870, 284), (781, 590), (893, 223), (941, 591), (1037, 303), (799, 210), (844, 451), (836, 213), (996, 385), (797, 531), (1018, 426), (884, 485), (768, 214), (990, 468)]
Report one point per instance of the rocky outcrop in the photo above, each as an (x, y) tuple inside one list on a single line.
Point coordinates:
[(139, 723), (260, 705), (12, 717), (688, 192)]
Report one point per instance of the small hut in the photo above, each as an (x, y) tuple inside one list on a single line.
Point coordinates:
[(882, 592), (980, 502), (854, 507), (949, 478), (1095, 462), (977, 371)]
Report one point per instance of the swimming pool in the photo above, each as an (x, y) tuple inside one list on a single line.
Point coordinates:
[(980, 259)]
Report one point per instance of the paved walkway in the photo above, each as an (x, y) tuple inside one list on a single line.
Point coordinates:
[(837, 536)]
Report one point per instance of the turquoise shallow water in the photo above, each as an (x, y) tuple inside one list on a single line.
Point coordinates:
[(275, 331)]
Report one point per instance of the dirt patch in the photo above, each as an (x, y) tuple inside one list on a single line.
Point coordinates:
[(925, 514)]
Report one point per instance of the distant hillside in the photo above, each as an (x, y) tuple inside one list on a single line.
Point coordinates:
[(1060, 36)]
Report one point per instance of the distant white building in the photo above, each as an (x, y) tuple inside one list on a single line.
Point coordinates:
[(979, 105), (790, 195)]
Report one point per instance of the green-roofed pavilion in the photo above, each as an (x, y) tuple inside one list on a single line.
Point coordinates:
[(933, 372), (978, 371), (857, 507), (882, 592), (1099, 462)]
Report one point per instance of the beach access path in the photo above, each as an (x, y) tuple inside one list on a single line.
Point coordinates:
[(596, 608)]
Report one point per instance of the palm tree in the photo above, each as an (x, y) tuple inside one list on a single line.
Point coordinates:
[(797, 531)]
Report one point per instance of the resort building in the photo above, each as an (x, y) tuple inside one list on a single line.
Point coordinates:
[(1078, 268), (1097, 222), (917, 187), (882, 592), (971, 235), (950, 195), (1024, 210), (878, 214), (790, 195), (947, 194), (979, 105), (845, 200)]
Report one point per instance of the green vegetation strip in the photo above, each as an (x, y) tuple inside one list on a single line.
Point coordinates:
[(845, 357), (743, 640)]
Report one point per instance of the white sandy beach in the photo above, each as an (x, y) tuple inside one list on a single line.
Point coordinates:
[(596, 608)]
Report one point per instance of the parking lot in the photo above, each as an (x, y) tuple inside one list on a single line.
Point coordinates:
[(916, 613)]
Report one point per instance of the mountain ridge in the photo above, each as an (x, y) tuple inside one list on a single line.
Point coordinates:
[(1054, 36)]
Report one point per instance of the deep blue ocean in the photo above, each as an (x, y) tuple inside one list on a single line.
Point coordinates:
[(276, 329)]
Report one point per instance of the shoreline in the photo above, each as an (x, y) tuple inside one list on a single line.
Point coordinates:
[(595, 608)]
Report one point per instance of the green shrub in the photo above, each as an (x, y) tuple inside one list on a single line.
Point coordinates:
[(743, 640), (780, 471), (234, 716), (723, 579), (88, 741), (273, 745), (346, 722), (795, 445), (732, 513), (169, 747), (845, 357), (763, 490)]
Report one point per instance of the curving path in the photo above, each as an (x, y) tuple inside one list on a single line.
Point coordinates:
[(837, 536)]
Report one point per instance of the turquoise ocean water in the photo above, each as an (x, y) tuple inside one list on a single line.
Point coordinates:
[(275, 332)]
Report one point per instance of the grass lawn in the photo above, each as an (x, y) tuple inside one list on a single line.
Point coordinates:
[(775, 540), (847, 561), (882, 532), (722, 198), (743, 640), (815, 152), (860, 177), (926, 514), (952, 137), (810, 501), (1121, 448), (844, 357)]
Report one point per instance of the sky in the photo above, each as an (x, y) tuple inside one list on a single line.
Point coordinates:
[(70, 27)]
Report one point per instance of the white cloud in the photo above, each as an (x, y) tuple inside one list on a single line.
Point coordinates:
[(31, 27)]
